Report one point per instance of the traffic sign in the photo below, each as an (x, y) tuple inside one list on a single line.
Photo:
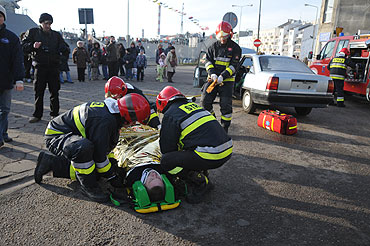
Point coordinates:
[(257, 42), (231, 18)]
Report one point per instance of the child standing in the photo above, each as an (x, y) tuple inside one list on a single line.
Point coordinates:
[(141, 64), (95, 65), (161, 67)]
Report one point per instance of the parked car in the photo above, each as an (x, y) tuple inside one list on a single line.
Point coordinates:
[(284, 81)]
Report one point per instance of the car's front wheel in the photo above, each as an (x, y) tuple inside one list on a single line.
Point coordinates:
[(303, 110), (248, 105)]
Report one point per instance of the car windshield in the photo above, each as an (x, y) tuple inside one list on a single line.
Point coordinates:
[(283, 64)]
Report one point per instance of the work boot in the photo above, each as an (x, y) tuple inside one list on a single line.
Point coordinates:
[(43, 166), (198, 186), (94, 193), (340, 104), (332, 103), (34, 120)]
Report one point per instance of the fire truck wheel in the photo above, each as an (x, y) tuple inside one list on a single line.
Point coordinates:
[(248, 105), (302, 111)]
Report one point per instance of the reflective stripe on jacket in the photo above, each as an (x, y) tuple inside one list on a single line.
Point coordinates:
[(338, 67)]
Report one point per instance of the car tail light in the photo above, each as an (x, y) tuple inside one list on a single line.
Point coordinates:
[(273, 83), (330, 86)]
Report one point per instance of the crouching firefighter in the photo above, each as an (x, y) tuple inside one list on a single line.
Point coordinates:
[(117, 88), (222, 60), (191, 141), (338, 68), (80, 139)]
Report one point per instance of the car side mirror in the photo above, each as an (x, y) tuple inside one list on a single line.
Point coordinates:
[(318, 57), (310, 55)]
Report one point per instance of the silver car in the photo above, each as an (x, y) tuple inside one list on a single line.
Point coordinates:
[(284, 81)]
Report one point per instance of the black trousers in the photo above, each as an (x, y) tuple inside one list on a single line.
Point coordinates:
[(338, 89), (225, 93), (189, 160), (27, 67), (81, 74), (74, 148), (113, 68), (140, 73), (46, 76), (121, 69), (169, 76)]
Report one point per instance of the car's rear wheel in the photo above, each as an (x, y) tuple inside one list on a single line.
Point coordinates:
[(303, 110), (248, 105)]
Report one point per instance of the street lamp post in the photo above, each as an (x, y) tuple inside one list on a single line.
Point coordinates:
[(241, 12), (313, 29)]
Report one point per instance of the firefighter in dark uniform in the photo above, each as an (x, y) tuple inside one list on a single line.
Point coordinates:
[(191, 142), (221, 62), (80, 139), (338, 68), (45, 46), (117, 88)]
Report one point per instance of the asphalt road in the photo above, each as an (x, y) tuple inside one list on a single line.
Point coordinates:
[(308, 189)]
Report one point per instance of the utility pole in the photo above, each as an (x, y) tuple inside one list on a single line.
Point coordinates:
[(128, 23), (182, 18), (259, 22), (159, 21)]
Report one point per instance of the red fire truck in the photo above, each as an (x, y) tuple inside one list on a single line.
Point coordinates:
[(357, 79)]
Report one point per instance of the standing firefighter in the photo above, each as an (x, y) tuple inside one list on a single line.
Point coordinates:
[(191, 142), (222, 60), (338, 67), (80, 139)]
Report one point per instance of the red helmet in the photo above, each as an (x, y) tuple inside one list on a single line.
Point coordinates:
[(115, 88), (168, 93), (345, 51), (224, 29), (134, 107)]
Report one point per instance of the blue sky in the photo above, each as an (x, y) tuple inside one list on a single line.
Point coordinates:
[(111, 15)]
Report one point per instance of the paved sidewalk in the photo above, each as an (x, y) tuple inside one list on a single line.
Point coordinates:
[(18, 158)]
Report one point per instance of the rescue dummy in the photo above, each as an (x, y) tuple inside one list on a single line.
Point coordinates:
[(191, 142), (80, 139)]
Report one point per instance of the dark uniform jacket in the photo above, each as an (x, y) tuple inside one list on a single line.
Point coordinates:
[(52, 45), (223, 59), (11, 59), (153, 119), (338, 67), (93, 121), (187, 126)]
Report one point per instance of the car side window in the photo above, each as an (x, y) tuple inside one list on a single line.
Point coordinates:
[(328, 50), (248, 63)]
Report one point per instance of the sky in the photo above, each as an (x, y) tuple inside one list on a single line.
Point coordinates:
[(110, 16)]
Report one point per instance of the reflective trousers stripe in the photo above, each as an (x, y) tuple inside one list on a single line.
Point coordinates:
[(340, 99), (76, 118), (209, 67), (103, 167), (212, 156), (84, 168), (227, 117), (176, 170), (111, 155), (229, 79)]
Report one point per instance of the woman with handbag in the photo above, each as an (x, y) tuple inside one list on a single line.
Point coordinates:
[(171, 63)]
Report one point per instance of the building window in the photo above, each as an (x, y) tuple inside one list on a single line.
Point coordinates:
[(328, 11)]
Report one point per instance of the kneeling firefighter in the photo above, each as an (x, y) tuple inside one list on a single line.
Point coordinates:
[(117, 88), (80, 139), (191, 141)]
